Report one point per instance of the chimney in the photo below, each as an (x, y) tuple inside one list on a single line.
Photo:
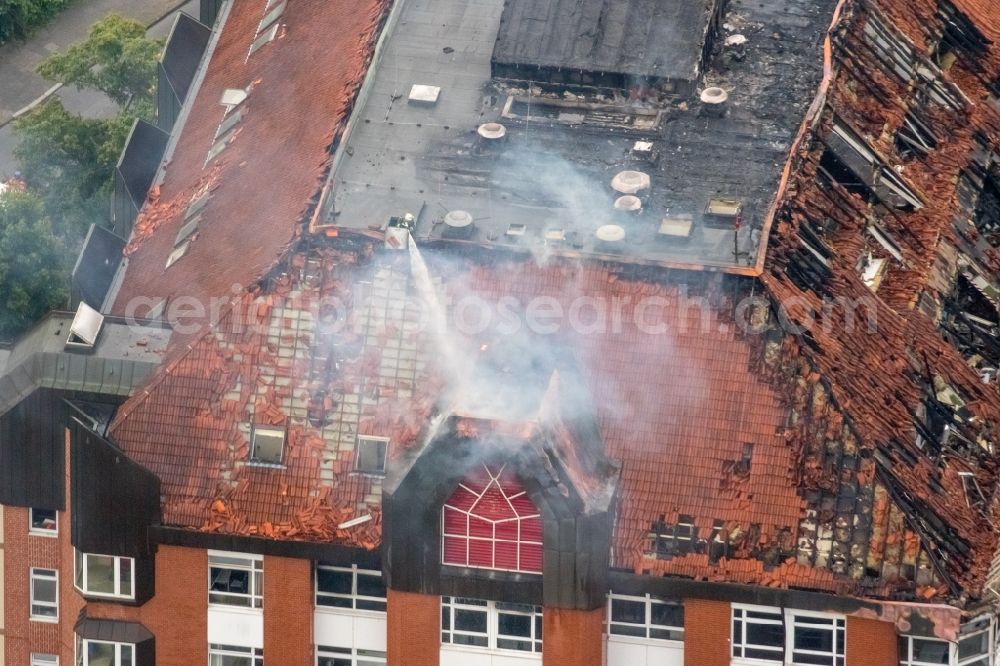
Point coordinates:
[(714, 102)]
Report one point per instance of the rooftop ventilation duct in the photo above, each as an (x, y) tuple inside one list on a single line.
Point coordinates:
[(610, 238), (628, 203), (458, 224), (714, 101), (630, 182), (492, 131)]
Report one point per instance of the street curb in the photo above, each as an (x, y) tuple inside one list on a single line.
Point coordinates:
[(54, 89)]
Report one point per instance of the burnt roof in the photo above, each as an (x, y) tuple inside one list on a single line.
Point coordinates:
[(553, 173), (643, 38)]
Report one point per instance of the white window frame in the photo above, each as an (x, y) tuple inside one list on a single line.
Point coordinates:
[(838, 625), (743, 645), (43, 574), (977, 659), (39, 659), (366, 440), (255, 655), (81, 651), (254, 564), (353, 597), (648, 627), (906, 657), (492, 634), (42, 531), (355, 655), (81, 583)]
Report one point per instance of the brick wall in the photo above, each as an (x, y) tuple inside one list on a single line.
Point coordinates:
[(870, 642), (572, 637), (288, 611), (706, 633), (414, 629)]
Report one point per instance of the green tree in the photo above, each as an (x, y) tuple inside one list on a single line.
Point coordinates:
[(34, 266), (116, 58), (68, 161), (19, 17)]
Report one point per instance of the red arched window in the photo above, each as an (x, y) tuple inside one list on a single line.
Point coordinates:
[(491, 523)]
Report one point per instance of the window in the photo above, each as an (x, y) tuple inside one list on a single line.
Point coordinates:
[(369, 455), (974, 640), (263, 38), (235, 581), (234, 655), (104, 653), (105, 575), (493, 625), (666, 541), (918, 651), (44, 595), (44, 522), (645, 617), (817, 639), (491, 523), (267, 445), (334, 656), (44, 659), (796, 638), (342, 587), (758, 633)]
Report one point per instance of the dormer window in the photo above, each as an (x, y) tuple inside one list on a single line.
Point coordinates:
[(267, 445), (491, 523)]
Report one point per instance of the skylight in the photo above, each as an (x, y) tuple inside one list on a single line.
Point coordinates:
[(267, 444), (263, 38), (271, 17), (85, 328), (178, 252)]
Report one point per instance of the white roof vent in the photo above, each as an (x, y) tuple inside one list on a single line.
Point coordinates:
[(423, 94), (736, 40), (713, 101), (85, 328), (610, 233), (630, 182), (492, 131), (458, 219), (628, 202)]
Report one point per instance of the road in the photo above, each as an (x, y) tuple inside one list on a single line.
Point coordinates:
[(30, 87)]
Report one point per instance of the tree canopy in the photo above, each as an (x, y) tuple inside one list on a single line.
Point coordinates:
[(19, 17)]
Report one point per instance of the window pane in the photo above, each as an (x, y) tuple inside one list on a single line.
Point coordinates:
[(236, 581), (43, 519), (466, 620), (126, 653), (44, 589), (333, 661), (819, 659), (100, 574), (338, 582), (765, 634), (930, 651), (668, 615), (813, 638), (628, 611), (370, 586), (628, 630), (125, 576), (976, 644), (514, 625), (461, 639), (100, 653), (509, 644)]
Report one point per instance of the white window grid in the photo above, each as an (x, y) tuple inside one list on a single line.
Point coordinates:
[(221, 570), (38, 659), (787, 628), (493, 540), (909, 651), (45, 610), (123, 654), (492, 636), (352, 600), (44, 528), (648, 628), (328, 656), (973, 648), (227, 655), (122, 573)]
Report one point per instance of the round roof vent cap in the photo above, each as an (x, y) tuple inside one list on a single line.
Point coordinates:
[(458, 219), (630, 182), (610, 233), (492, 131), (736, 40), (714, 95), (628, 202)]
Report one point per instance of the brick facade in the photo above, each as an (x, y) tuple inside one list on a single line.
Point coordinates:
[(288, 604), (573, 637), (871, 642), (414, 629), (706, 632)]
